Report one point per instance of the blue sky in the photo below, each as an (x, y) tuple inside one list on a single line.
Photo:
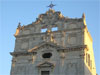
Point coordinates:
[(26, 11)]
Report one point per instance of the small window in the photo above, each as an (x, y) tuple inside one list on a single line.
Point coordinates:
[(54, 28), (47, 55), (88, 60), (43, 30), (91, 64), (45, 72)]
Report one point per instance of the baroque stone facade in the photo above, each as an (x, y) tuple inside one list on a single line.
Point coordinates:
[(53, 45)]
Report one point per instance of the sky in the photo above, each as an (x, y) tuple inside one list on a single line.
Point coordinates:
[(26, 11)]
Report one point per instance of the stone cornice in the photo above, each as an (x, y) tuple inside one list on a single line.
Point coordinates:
[(74, 48), (18, 36), (22, 53), (45, 44), (59, 49)]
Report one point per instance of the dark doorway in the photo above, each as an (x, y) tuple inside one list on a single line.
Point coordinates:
[(45, 73)]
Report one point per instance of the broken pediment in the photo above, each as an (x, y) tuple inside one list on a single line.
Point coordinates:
[(45, 45), (46, 64), (48, 20)]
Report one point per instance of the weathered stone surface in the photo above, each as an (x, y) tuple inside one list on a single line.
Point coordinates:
[(68, 45)]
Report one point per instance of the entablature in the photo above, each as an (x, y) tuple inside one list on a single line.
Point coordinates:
[(22, 53), (73, 48)]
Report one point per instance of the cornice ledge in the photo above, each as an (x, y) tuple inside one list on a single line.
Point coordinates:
[(74, 48), (22, 53), (32, 34)]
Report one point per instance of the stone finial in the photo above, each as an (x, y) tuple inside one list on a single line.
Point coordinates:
[(18, 29), (19, 25), (84, 21), (83, 16)]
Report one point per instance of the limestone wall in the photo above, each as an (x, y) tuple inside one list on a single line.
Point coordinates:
[(69, 53), (70, 63), (88, 41)]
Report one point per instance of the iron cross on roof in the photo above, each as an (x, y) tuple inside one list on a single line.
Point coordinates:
[(51, 5)]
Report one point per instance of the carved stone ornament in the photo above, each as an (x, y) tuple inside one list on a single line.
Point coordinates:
[(46, 64)]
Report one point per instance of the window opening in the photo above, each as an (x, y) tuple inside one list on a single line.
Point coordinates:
[(47, 55), (54, 28), (88, 60), (43, 30)]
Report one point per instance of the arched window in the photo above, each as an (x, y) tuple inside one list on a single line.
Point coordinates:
[(91, 64)]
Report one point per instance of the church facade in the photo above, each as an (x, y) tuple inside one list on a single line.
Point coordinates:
[(53, 45)]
